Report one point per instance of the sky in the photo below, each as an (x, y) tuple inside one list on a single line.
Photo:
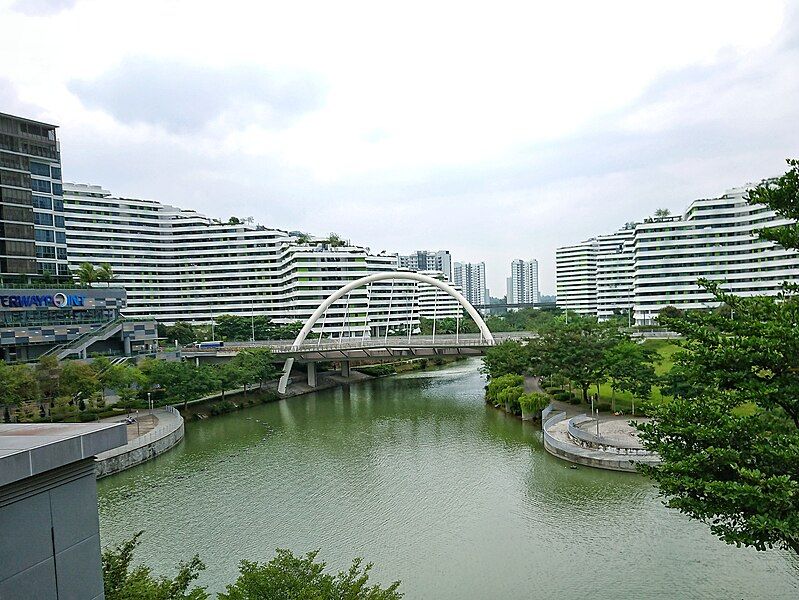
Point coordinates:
[(496, 130)]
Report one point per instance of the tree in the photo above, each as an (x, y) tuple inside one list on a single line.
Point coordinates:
[(18, 384), (229, 375), (729, 444), (181, 331), (630, 368), (255, 364), (87, 274), (120, 582), (498, 384), (105, 274), (662, 213), (287, 577), (48, 374), (126, 380), (179, 381), (577, 351), (510, 356), (78, 380), (781, 195)]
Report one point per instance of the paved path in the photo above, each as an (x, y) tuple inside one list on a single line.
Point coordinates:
[(144, 424)]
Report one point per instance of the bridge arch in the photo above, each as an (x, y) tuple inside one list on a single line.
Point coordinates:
[(388, 275)]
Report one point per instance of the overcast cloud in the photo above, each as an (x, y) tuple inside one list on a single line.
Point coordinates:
[(497, 132)]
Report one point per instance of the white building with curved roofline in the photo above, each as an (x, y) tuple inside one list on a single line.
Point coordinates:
[(180, 265)]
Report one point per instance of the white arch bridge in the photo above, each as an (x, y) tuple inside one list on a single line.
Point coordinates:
[(379, 348)]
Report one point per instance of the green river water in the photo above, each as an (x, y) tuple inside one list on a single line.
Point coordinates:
[(417, 474)]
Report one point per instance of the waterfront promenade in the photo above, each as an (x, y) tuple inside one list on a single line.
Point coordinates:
[(154, 433)]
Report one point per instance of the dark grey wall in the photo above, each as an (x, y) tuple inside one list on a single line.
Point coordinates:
[(50, 536)]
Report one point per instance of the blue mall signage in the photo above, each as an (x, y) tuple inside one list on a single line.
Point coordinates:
[(58, 300)]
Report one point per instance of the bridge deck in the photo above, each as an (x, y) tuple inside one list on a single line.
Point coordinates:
[(345, 348)]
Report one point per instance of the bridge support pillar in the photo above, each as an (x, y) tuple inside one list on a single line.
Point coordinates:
[(126, 346), (345, 368), (196, 361), (312, 374)]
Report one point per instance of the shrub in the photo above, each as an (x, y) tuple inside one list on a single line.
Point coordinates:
[(575, 399), (534, 402), (495, 386), (221, 408), (85, 417), (509, 397), (603, 407), (562, 395), (378, 370)]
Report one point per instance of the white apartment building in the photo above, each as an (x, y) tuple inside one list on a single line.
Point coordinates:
[(614, 273), (658, 262), (522, 285), (715, 239), (426, 260), (471, 277), (179, 265), (575, 274), (435, 303)]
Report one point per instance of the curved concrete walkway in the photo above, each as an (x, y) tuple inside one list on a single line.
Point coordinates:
[(559, 442), (167, 432)]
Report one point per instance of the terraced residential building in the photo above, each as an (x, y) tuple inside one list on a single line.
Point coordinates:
[(614, 273), (715, 239), (658, 263), (575, 279), (179, 265)]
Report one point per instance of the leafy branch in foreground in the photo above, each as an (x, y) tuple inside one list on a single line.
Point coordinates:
[(123, 583)]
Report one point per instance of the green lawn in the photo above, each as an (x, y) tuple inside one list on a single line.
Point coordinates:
[(624, 400)]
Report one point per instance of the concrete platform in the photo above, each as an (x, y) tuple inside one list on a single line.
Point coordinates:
[(28, 449)]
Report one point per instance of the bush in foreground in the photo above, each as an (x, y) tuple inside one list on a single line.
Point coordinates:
[(287, 577)]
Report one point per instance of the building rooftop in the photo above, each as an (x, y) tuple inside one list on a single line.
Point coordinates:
[(27, 449), (18, 118)]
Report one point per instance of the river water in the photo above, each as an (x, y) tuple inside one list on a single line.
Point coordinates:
[(417, 474)]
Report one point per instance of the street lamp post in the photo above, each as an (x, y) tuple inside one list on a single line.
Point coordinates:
[(150, 402)]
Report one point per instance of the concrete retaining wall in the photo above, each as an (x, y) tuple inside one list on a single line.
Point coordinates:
[(585, 456), (168, 433)]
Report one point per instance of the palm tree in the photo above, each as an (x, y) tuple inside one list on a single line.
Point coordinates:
[(87, 274), (662, 212), (105, 273)]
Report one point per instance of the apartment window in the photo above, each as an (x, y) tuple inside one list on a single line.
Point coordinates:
[(45, 251), (59, 221), (58, 190), (55, 173), (42, 202), (60, 237), (61, 253), (58, 205), (44, 235), (42, 218), (39, 169), (39, 185)]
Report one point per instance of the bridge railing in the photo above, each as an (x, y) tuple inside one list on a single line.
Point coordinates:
[(446, 340)]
